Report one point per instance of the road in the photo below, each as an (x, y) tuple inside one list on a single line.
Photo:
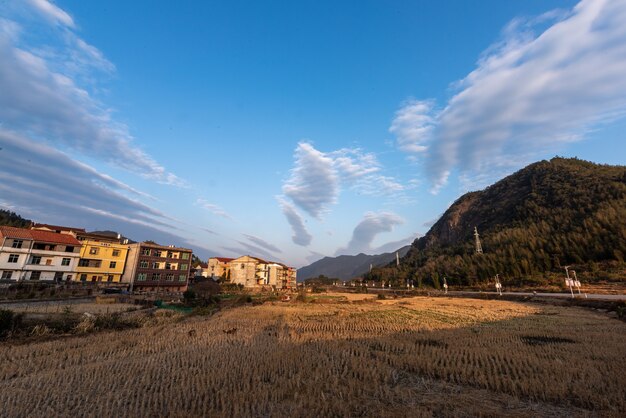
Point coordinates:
[(548, 295)]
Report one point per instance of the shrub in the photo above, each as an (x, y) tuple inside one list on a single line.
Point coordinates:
[(9, 321)]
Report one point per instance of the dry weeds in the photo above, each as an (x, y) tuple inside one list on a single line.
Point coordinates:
[(412, 357)]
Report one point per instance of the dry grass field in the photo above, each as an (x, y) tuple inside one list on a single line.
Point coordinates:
[(403, 357), (93, 308)]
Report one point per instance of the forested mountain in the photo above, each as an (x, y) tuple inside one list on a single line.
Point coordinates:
[(13, 219), (532, 223), (347, 266)]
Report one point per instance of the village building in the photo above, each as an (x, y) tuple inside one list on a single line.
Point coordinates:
[(102, 255), (254, 272), (152, 267), (28, 254), (219, 267), (102, 258)]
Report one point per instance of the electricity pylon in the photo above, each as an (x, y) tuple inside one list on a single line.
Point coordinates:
[(479, 247)]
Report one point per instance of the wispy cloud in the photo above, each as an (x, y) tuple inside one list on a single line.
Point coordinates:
[(52, 13), (262, 243), (214, 209), (49, 186), (546, 83), (300, 234), (372, 224), (40, 96)]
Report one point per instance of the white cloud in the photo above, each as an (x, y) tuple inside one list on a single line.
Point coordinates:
[(371, 225), (214, 209), (317, 177), (40, 96), (413, 125), (300, 234), (314, 183), (52, 12), (530, 93)]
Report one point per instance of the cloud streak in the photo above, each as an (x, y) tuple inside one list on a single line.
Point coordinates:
[(214, 209), (300, 234), (533, 91), (39, 95), (49, 186), (372, 224)]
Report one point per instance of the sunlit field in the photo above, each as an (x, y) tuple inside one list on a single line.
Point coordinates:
[(401, 357)]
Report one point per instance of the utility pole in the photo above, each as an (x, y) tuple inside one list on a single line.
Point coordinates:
[(479, 247), (498, 285), (569, 282), (397, 260)]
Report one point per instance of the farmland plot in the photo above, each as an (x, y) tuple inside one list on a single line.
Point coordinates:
[(412, 357)]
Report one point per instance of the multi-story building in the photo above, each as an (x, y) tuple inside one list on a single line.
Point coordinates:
[(153, 267), (219, 267), (252, 272), (37, 255), (102, 258)]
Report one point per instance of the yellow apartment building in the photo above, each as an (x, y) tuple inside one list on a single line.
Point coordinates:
[(102, 259)]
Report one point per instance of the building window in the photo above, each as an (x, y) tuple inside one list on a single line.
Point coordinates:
[(168, 266), (169, 254), (183, 267), (7, 274), (169, 277), (143, 264), (157, 253), (13, 258), (69, 248), (243, 266), (156, 265), (156, 276), (112, 264), (182, 278), (36, 259), (110, 278), (65, 262), (185, 256), (142, 277), (145, 251), (116, 253), (35, 275), (69, 277), (174, 255), (94, 278), (93, 250), (83, 277), (17, 243), (83, 262)]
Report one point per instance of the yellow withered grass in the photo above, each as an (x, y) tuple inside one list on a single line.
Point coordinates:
[(404, 357)]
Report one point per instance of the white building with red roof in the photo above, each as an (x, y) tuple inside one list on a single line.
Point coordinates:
[(28, 254)]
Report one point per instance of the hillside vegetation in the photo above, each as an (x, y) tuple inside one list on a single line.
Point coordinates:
[(9, 218), (532, 223)]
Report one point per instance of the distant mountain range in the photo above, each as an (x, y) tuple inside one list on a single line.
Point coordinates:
[(346, 267), (533, 223)]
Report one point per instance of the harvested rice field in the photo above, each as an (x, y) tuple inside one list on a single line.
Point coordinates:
[(401, 357)]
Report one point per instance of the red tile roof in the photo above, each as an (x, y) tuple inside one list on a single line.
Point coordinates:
[(36, 235), (57, 227), (224, 259)]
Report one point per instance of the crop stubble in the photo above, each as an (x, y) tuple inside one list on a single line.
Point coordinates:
[(420, 356)]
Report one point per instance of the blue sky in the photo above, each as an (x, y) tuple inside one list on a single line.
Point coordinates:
[(294, 130)]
